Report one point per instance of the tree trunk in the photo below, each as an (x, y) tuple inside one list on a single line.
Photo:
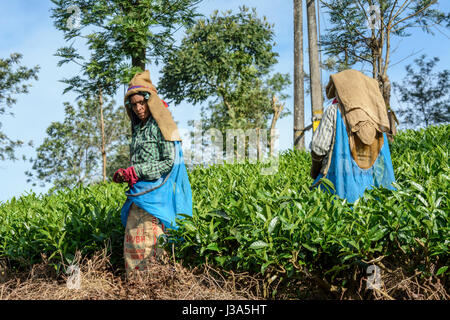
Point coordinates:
[(393, 121), (258, 144), (139, 61), (314, 67), (299, 99), (102, 128)]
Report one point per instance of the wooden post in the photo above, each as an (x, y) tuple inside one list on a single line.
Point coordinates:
[(299, 98), (102, 128), (314, 67)]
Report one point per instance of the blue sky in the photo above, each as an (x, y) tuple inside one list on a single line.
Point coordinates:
[(26, 27)]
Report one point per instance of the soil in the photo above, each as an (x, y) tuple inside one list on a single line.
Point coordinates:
[(98, 280)]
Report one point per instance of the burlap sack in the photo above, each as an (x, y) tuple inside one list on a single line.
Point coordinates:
[(362, 104), (365, 155), (364, 111), (141, 240)]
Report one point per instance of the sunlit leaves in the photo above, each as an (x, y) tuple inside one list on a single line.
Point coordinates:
[(226, 60), (271, 224), (84, 218), (271, 217)]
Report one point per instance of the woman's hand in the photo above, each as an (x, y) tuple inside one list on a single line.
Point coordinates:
[(118, 176), (126, 175)]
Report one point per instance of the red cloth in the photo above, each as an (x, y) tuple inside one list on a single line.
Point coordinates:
[(128, 174), (334, 101), (165, 104)]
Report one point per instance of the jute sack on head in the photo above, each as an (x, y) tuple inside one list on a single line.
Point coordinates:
[(361, 101), (141, 83), (364, 112)]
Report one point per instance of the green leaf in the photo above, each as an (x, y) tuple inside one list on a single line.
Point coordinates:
[(258, 245), (307, 246), (273, 223), (219, 213), (441, 270), (264, 266), (189, 226), (417, 186), (213, 247), (425, 203), (378, 235), (221, 260), (260, 216)]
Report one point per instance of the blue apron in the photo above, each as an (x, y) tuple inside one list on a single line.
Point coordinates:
[(165, 197), (349, 180)]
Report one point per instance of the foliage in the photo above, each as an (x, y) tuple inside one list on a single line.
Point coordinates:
[(269, 224), (98, 74), (226, 58), (120, 30), (83, 218), (11, 83), (70, 154), (277, 226), (358, 34), (426, 93)]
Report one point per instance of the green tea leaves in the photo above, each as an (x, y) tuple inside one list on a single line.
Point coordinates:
[(269, 224), (273, 223), (258, 245)]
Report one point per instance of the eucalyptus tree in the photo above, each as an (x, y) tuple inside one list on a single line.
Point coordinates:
[(425, 94), (133, 31), (69, 154), (98, 79), (299, 83)]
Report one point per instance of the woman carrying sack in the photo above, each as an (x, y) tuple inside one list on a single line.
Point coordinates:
[(159, 187), (350, 146)]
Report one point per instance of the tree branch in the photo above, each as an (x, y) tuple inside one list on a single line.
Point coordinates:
[(390, 14), (414, 14), (401, 9), (343, 18)]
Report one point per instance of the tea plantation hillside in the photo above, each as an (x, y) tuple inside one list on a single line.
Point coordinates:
[(271, 225)]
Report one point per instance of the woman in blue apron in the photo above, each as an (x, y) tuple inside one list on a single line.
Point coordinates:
[(350, 146), (159, 188), (349, 180)]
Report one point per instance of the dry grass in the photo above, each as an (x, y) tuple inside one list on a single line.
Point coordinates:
[(170, 280), (397, 285), (98, 282)]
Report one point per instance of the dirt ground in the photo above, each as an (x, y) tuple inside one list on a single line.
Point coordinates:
[(95, 279)]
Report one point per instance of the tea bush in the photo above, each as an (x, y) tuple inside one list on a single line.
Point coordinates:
[(271, 224), (84, 218), (274, 224)]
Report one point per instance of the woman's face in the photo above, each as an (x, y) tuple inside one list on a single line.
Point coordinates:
[(139, 106)]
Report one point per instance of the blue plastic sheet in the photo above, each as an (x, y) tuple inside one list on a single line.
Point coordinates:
[(171, 194), (349, 180)]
